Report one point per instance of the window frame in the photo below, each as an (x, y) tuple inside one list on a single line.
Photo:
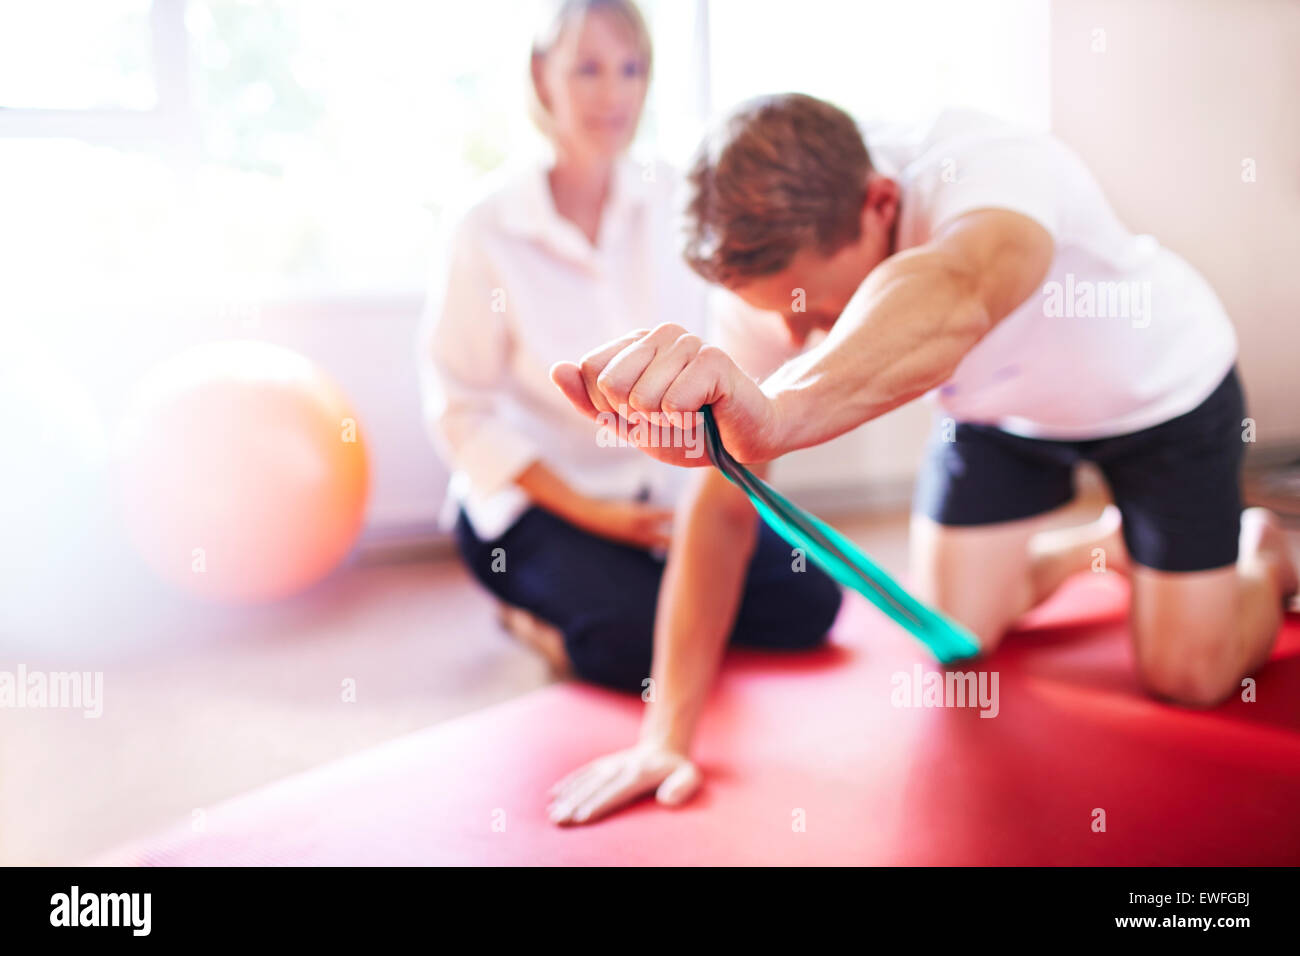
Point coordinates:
[(170, 123)]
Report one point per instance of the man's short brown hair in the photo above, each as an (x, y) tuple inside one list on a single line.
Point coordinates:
[(780, 174)]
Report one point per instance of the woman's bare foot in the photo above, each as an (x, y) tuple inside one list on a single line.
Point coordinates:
[(1263, 542), (533, 632)]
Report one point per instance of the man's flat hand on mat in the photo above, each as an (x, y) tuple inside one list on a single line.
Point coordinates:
[(614, 781), (667, 375)]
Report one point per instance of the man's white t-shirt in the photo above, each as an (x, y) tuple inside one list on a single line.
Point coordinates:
[(1122, 335)]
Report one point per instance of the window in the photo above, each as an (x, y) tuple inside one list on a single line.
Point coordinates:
[(261, 147), (61, 55), (313, 147)]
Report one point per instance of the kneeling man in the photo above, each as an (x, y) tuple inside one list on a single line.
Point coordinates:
[(982, 263)]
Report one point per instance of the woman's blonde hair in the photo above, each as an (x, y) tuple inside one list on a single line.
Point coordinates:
[(558, 16)]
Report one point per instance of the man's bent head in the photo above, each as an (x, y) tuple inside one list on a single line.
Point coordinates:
[(786, 210)]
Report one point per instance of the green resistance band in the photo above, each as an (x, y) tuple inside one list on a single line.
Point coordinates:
[(840, 558)]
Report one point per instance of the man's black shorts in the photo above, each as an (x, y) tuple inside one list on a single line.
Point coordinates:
[(1177, 484)]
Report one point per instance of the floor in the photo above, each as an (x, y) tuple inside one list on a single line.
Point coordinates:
[(203, 704)]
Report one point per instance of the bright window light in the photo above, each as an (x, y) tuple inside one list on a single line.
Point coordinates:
[(76, 55), (316, 146)]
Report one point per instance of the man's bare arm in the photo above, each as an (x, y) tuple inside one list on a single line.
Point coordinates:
[(903, 333), (703, 583), (910, 324)]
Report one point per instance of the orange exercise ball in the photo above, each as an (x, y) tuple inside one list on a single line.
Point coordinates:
[(242, 471)]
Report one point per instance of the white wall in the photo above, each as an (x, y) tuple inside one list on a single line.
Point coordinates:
[(1165, 100)]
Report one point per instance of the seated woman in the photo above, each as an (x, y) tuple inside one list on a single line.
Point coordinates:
[(555, 258)]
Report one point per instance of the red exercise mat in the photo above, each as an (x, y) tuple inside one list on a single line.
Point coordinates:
[(816, 737)]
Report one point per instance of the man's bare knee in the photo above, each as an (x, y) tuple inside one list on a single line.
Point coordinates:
[(1193, 676), (988, 631), (987, 634), (976, 576), (1184, 629)]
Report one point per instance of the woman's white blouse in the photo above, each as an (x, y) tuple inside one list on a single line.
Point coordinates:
[(520, 288)]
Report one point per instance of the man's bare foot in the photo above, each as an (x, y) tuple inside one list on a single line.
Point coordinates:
[(1109, 531), (1263, 541), (1061, 552), (533, 632)]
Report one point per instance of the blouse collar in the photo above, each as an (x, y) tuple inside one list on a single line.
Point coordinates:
[(529, 208)]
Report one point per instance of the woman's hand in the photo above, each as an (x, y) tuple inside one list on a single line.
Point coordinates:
[(611, 782), (628, 522)]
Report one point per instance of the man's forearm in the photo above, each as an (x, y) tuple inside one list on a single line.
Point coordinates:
[(700, 595), (902, 334)]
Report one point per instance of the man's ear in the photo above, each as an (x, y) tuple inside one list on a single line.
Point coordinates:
[(880, 206)]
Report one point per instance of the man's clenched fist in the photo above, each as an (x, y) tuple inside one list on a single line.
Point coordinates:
[(657, 381)]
